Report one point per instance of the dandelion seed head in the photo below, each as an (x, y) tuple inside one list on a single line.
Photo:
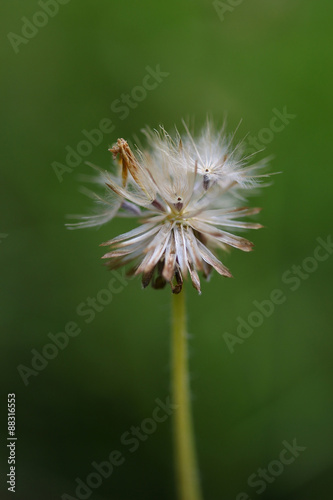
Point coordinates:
[(186, 193)]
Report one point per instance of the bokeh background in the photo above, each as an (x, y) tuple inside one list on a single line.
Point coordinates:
[(240, 61)]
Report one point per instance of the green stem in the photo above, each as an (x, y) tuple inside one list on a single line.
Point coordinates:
[(186, 463)]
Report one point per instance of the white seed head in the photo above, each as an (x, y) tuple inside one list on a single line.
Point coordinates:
[(186, 194)]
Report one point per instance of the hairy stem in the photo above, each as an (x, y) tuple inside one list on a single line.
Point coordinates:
[(186, 463)]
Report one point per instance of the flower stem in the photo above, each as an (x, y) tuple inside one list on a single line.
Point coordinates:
[(186, 463)]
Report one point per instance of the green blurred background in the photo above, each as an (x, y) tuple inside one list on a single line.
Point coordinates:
[(277, 385)]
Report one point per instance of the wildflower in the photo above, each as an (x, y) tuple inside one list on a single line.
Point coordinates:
[(186, 194)]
